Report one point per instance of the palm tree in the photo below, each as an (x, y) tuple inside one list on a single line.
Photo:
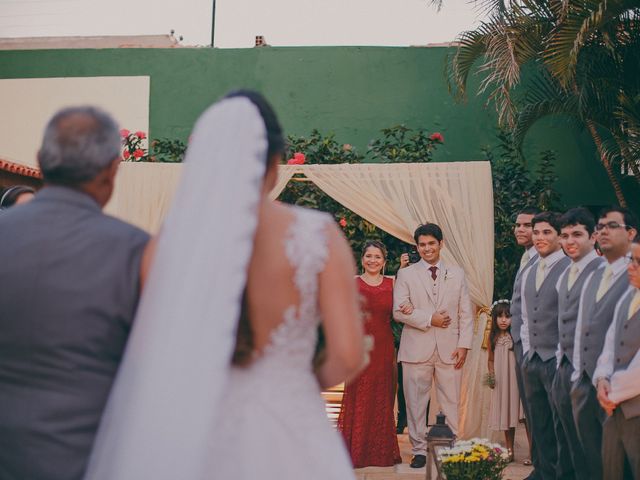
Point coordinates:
[(585, 55)]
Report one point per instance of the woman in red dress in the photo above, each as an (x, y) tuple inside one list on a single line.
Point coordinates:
[(366, 416)]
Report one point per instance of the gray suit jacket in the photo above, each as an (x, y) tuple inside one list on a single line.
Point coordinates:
[(69, 287)]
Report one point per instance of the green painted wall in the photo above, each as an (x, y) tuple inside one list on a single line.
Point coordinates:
[(352, 91)]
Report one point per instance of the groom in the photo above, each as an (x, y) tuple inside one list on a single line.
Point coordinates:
[(436, 336), (70, 281)]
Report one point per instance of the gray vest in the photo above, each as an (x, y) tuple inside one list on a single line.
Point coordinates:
[(596, 319), (542, 311), (70, 280), (516, 301), (568, 303), (627, 345)]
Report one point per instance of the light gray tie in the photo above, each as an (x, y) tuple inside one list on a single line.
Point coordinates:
[(605, 283), (524, 259), (573, 275)]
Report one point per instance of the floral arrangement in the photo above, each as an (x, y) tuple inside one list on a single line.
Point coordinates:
[(133, 146), (475, 459), (489, 380)]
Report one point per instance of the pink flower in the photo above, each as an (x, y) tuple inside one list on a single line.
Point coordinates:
[(126, 154), (346, 147), (437, 137), (124, 133), (343, 222), (138, 153), (141, 135), (298, 159)]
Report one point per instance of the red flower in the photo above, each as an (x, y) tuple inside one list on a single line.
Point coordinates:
[(437, 137), (298, 159), (138, 153), (141, 135), (126, 154), (343, 222), (124, 133)]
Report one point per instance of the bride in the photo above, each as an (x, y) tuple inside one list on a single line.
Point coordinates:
[(217, 381)]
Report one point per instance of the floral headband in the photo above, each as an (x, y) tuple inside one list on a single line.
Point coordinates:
[(502, 300)]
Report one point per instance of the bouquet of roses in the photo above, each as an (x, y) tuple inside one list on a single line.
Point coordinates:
[(475, 459)]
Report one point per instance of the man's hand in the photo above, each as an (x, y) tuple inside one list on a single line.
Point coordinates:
[(604, 387), (404, 260), (440, 319), (459, 355), (406, 307)]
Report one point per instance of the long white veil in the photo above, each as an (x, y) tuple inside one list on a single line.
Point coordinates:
[(162, 410)]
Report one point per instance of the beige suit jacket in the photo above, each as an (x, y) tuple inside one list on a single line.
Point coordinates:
[(419, 340)]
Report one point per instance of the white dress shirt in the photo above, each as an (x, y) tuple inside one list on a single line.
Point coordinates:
[(618, 268), (581, 264), (550, 261), (533, 253), (624, 383)]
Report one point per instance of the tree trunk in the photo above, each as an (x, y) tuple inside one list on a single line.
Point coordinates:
[(607, 166)]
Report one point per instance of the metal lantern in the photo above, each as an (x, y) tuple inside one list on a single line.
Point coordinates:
[(438, 436)]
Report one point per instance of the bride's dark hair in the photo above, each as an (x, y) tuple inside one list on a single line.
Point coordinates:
[(244, 336), (275, 138)]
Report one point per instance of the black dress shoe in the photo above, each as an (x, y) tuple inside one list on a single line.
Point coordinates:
[(418, 461)]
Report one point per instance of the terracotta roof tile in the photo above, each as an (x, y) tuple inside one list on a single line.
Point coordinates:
[(18, 169)]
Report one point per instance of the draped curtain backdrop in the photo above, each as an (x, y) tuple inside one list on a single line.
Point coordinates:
[(397, 198)]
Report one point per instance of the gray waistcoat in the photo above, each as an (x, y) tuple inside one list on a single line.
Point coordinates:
[(516, 302), (627, 344), (542, 311), (568, 303), (596, 318)]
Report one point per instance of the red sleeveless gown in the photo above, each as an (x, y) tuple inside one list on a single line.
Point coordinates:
[(366, 415)]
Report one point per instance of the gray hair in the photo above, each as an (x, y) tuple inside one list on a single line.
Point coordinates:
[(78, 143)]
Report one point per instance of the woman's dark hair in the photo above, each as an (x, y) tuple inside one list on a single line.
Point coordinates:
[(376, 244), (275, 136), (498, 310), (10, 195), (430, 229)]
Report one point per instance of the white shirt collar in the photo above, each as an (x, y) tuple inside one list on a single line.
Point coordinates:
[(619, 266), (427, 265), (532, 252), (550, 260), (584, 261)]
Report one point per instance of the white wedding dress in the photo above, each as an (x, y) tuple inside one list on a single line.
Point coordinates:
[(274, 425), (178, 409)]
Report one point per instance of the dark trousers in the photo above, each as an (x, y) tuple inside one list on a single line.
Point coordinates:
[(572, 462), (588, 417), (538, 378), (621, 447), (517, 350)]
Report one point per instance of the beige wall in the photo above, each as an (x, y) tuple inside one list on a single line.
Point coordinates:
[(27, 105)]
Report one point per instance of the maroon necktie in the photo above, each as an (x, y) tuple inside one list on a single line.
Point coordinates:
[(433, 272)]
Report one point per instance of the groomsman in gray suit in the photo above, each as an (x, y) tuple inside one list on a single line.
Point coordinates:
[(615, 230), (616, 378), (577, 240), (70, 281), (539, 334), (523, 232)]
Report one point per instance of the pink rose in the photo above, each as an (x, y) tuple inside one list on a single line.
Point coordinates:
[(124, 133), (346, 147), (126, 154), (298, 159), (138, 153), (343, 222), (141, 135), (437, 137)]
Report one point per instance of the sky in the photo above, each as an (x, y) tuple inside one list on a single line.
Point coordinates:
[(281, 22)]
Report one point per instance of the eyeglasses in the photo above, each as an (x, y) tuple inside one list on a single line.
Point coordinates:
[(610, 226), (635, 261)]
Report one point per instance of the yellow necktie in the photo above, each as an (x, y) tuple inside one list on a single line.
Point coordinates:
[(633, 306), (604, 283), (540, 273), (573, 275), (525, 259)]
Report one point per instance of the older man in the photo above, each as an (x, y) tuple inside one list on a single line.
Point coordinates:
[(70, 286)]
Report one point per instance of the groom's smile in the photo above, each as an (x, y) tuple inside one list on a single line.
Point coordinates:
[(429, 249)]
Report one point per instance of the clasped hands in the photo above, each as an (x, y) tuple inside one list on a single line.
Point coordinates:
[(604, 388)]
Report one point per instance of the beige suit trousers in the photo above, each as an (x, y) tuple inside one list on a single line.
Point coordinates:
[(417, 379)]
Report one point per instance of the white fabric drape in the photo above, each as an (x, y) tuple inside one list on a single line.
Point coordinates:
[(395, 197)]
